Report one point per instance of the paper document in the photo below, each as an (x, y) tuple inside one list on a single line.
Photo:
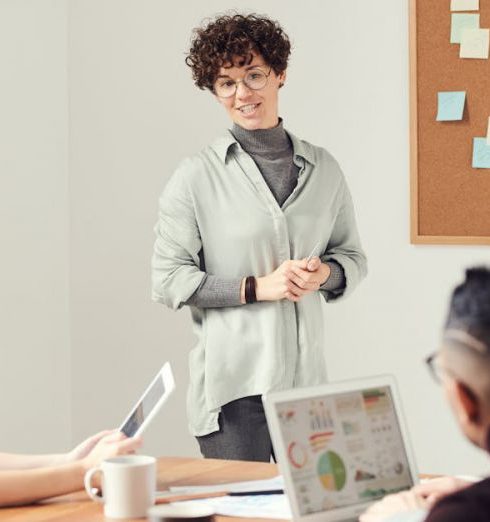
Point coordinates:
[(249, 485), (256, 506)]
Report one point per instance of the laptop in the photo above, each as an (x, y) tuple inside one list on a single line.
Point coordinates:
[(340, 447)]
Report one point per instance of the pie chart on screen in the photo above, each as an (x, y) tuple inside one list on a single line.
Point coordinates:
[(331, 471)]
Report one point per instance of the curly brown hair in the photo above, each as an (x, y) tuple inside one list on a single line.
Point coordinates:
[(222, 40)]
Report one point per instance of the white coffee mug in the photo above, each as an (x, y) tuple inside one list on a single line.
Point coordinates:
[(128, 485)]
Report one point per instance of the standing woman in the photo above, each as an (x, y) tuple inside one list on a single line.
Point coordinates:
[(237, 224)]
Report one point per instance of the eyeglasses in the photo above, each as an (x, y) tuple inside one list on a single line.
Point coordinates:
[(435, 369), (255, 79)]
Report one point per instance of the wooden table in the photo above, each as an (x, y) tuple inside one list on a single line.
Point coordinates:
[(172, 471)]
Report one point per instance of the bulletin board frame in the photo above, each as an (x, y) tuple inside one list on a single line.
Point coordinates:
[(422, 234)]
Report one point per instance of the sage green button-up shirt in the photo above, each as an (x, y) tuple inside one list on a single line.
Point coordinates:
[(218, 216)]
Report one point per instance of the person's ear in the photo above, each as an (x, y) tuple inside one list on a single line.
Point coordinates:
[(469, 405), (282, 79)]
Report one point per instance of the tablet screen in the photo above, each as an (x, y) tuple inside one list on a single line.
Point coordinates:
[(144, 408)]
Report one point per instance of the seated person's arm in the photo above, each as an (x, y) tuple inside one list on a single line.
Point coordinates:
[(26, 486), (22, 486), (435, 489), (17, 462)]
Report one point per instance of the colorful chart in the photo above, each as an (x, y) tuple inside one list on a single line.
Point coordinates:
[(320, 417), (287, 416), (297, 455), (376, 401), (318, 441), (331, 471)]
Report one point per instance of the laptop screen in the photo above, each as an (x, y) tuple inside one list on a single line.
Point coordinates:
[(343, 449)]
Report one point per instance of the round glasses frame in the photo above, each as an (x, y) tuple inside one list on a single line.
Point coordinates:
[(434, 369), (437, 371), (246, 81)]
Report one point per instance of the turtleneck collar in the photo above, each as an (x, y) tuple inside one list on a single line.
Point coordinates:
[(262, 141)]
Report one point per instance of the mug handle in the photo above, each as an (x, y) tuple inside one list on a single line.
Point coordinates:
[(92, 492)]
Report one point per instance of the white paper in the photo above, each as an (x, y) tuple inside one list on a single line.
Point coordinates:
[(464, 5), (474, 43), (249, 485), (253, 506)]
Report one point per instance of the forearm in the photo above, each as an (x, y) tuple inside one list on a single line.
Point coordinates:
[(10, 461), (216, 292), (336, 278), (27, 486)]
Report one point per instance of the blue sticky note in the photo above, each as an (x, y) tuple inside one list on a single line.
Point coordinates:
[(481, 154), (450, 105), (461, 21)]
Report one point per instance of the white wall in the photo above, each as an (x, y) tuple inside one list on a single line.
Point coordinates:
[(34, 328), (134, 114)]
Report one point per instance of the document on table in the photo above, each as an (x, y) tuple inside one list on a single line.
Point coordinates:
[(235, 487), (249, 506)]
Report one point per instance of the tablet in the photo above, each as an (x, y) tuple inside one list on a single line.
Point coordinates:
[(150, 402)]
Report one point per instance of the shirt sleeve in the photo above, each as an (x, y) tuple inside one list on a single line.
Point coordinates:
[(452, 513), (344, 248), (216, 292), (336, 279), (175, 266)]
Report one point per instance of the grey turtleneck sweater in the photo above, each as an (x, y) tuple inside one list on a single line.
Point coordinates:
[(272, 151)]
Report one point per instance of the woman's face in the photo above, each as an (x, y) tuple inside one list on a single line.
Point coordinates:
[(252, 109)]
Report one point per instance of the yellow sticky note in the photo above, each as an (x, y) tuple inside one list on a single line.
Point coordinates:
[(474, 43), (464, 5)]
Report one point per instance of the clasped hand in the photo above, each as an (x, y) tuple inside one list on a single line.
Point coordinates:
[(292, 280)]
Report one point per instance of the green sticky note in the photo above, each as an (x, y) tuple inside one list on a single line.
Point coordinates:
[(460, 21), (481, 154), (450, 105)]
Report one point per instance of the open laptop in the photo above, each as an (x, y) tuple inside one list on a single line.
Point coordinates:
[(340, 447)]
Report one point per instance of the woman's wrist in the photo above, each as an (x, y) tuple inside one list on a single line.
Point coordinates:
[(259, 289), (242, 291), (325, 273)]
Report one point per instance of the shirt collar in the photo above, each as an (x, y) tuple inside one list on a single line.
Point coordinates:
[(300, 149), (222, 145)]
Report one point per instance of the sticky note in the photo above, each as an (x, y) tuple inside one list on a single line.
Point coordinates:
[(460, 21), (481, 154), (450, 105), (464, 5), (488, 132), (474, 43)]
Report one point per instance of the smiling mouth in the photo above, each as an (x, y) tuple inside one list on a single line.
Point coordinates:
[(249, 108)]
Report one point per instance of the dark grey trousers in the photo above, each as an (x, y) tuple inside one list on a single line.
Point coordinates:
[(242, 435)]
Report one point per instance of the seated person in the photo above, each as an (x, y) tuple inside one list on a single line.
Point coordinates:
[(28, 478), (462, 366)]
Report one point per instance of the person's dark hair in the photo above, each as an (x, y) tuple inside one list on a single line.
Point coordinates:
[(469, 308), (227, 37)]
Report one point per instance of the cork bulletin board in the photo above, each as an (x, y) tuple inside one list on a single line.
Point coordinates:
[(450, 197)]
